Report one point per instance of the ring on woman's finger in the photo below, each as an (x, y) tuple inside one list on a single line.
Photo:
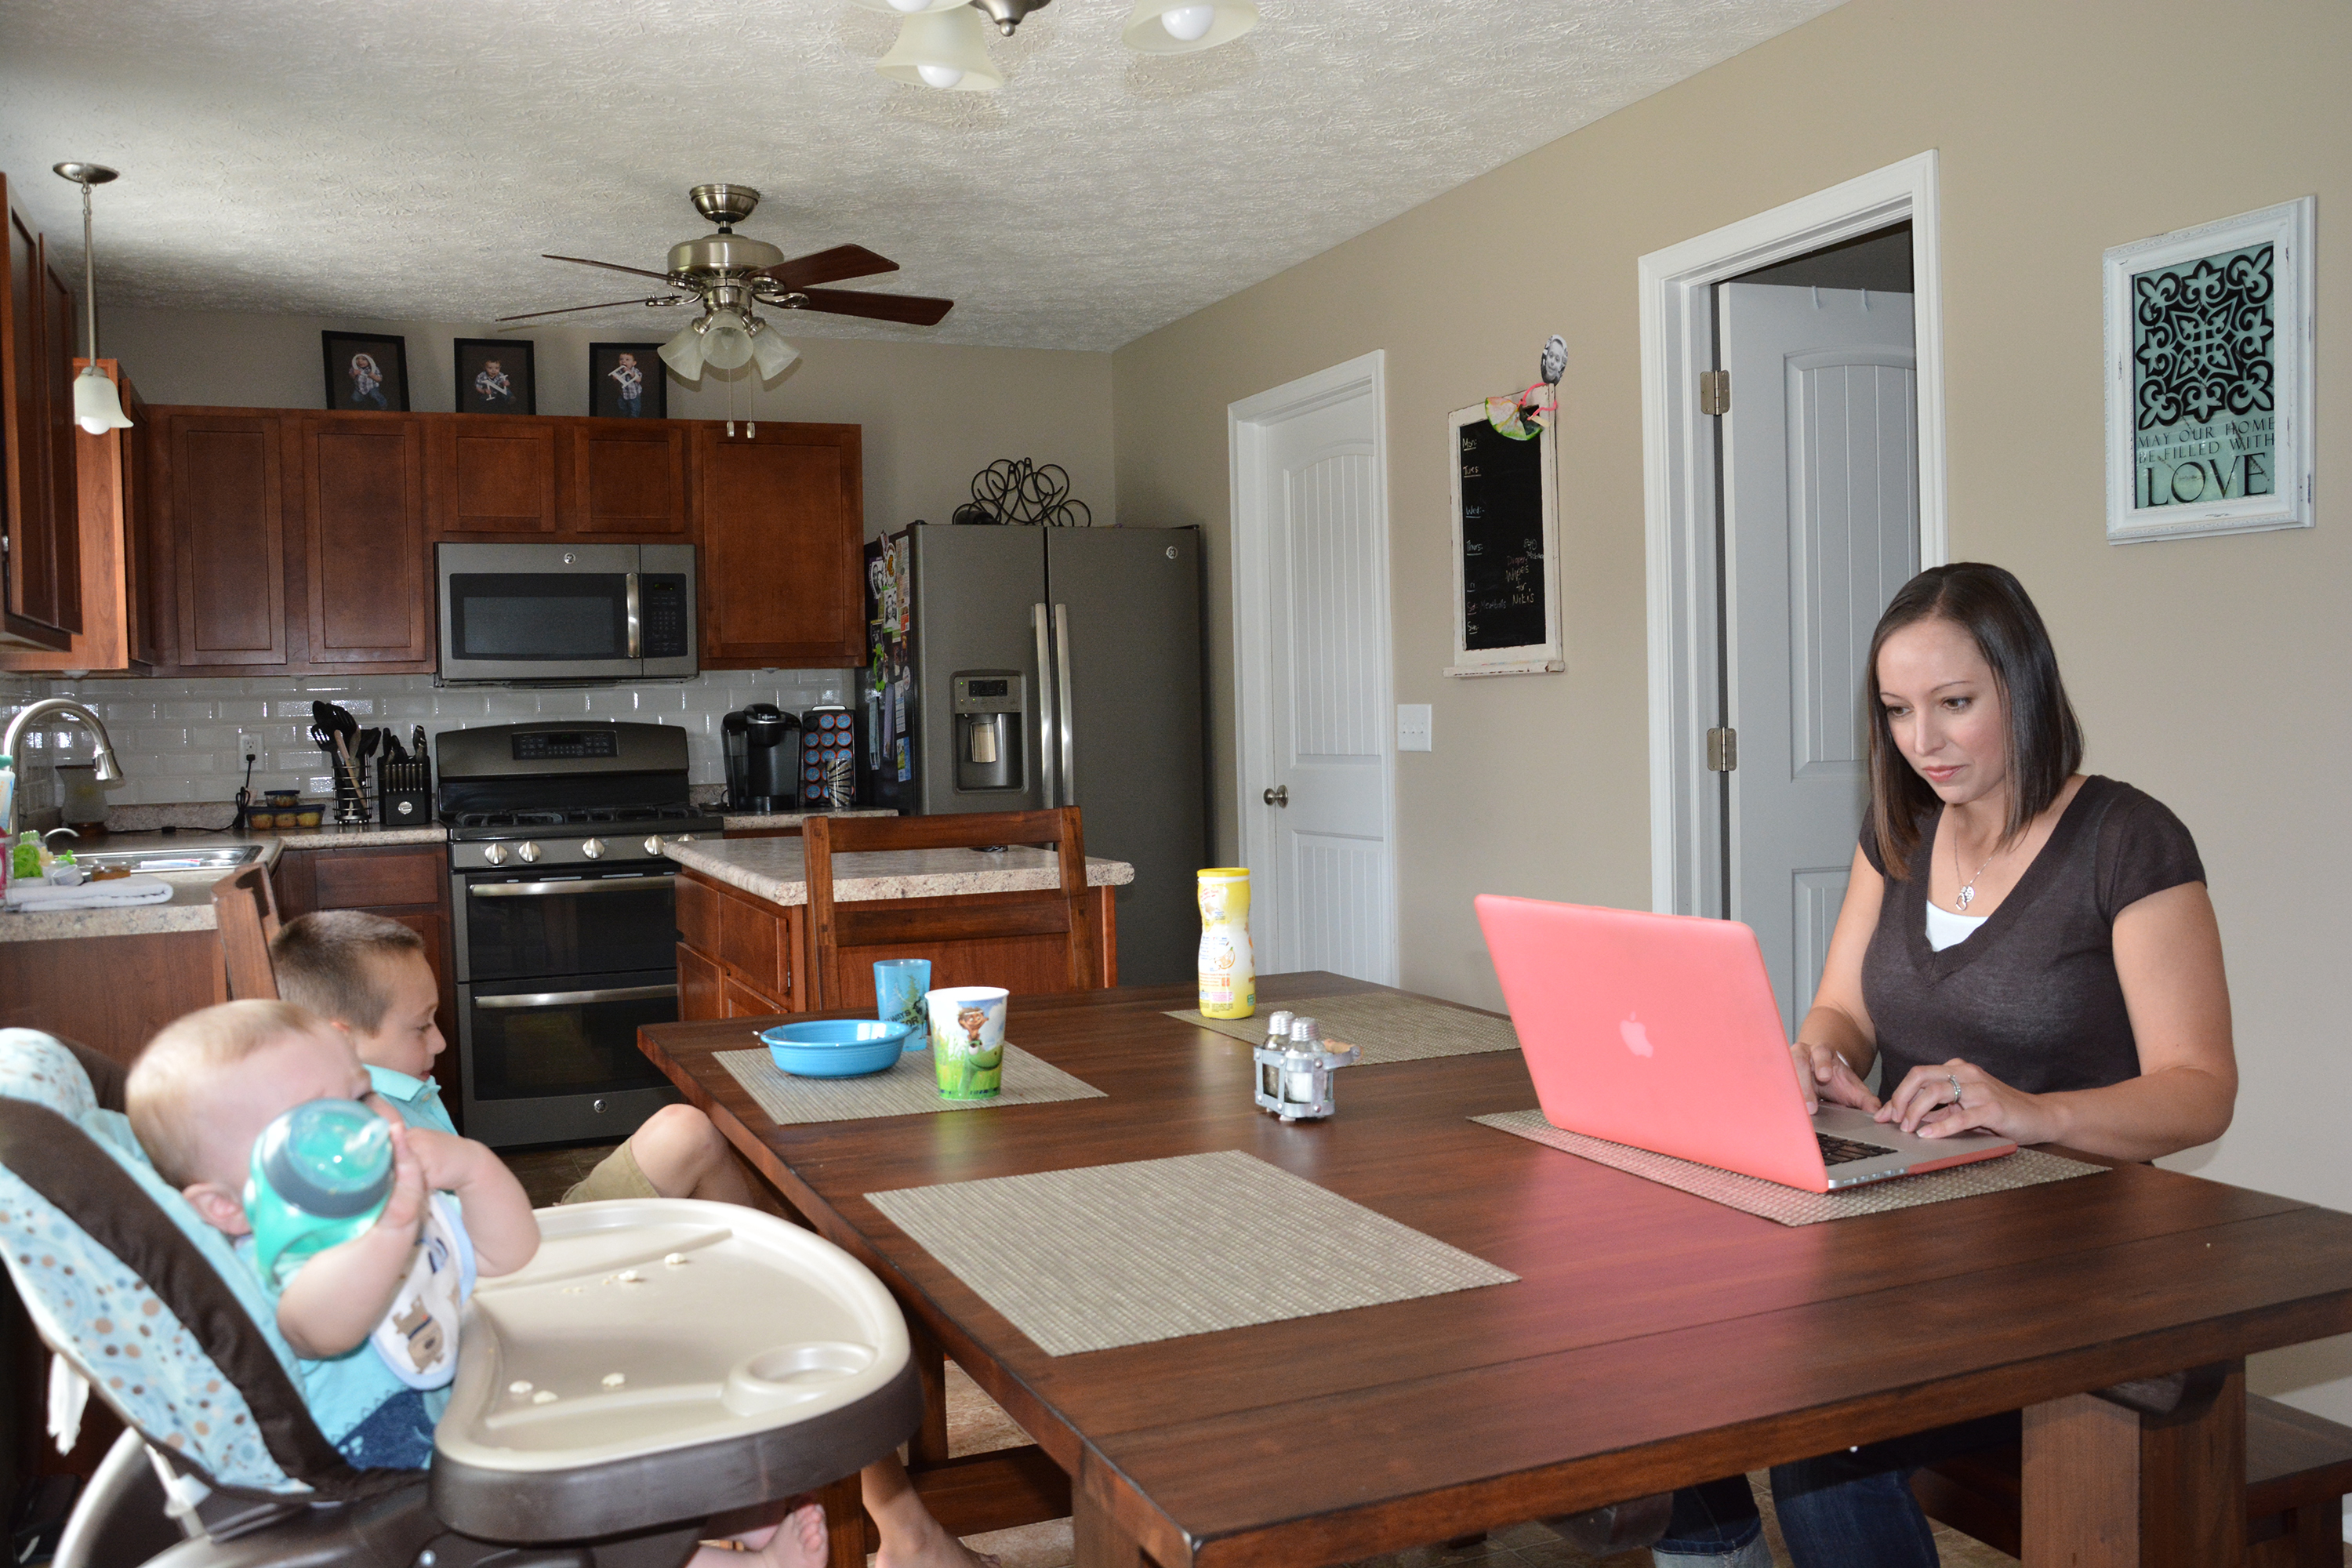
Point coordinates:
[(1954, 1079)]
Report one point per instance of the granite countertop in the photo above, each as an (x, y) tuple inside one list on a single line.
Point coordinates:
[(190, 907), (738, 821), (773, 869)]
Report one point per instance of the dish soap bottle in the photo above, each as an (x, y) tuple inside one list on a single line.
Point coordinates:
[(1228, 968), (320, 1175)]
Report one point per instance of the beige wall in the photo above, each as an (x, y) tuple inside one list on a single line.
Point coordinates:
[(933, 415), (2209, 672)]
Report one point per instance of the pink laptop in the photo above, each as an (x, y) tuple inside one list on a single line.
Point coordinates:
[(1661, 1031)]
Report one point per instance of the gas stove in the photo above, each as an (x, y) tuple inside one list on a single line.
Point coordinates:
[(566, 794)]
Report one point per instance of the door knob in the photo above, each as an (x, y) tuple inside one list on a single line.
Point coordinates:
[(1278, 796)]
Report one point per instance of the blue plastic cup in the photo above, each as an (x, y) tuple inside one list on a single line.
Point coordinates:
[(898, 987)]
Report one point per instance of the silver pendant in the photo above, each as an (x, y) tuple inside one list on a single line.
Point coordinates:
[(1968, 895)]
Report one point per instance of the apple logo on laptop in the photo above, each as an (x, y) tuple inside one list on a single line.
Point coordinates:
[(1637, 1038)]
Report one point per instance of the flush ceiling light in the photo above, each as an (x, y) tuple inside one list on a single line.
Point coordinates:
[(1181, 27), (97, 409), (908, 8), (943, 50)]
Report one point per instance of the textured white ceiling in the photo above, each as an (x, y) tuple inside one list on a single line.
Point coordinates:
[(409, 159)]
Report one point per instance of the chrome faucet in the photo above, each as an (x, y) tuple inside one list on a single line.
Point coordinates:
[(107, 769)]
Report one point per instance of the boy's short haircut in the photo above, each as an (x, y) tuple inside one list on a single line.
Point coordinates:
[(166, 1109), (331, 962)]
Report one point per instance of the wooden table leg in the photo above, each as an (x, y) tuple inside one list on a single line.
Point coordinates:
[(844, 1522), (2106, 1485), (929, 1444), (1100, 1540)]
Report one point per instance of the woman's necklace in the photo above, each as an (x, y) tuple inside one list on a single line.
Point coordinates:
[(1968, 893)]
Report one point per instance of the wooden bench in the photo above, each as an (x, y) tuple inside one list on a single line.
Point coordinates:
[(2298, 1470)]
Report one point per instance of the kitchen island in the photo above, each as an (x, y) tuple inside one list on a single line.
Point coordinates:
[(743, 930)]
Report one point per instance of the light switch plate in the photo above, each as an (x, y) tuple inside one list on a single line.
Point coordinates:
[(1413, 726)]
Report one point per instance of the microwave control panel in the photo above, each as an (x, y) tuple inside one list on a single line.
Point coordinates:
[(662, 618)]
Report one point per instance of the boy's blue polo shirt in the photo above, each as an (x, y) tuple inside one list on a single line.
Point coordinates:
[(419, 1100)]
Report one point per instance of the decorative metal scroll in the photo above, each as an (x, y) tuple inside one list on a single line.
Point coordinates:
[(1014, 490), (2204, 342)]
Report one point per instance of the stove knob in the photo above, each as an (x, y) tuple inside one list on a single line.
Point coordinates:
[(496, 855), (527, 852), (593, 848), (653, 843), (683, 839)]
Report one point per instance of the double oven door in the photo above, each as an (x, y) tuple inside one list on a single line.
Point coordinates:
[(557, 970)]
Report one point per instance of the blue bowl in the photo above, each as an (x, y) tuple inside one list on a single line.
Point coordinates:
[(836, 1047)]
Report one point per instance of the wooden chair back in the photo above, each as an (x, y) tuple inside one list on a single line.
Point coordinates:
[(1048, 939), (245, 912)]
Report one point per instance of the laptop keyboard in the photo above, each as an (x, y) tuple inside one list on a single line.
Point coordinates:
[(1838, 1152)]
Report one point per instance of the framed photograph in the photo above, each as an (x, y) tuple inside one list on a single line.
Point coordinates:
[(1505, 548), (366, 370), (2209, 344), (494, 376), (627, 381)]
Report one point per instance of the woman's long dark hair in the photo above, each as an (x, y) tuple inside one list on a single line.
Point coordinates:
[(2044, 744)]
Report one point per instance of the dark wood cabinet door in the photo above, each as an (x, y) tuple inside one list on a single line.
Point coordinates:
[(64, 529), (625, 476), (28, 607), (699, 991), (368, 574), (782, 520), (143, 626), (224, 528), (491, 474)]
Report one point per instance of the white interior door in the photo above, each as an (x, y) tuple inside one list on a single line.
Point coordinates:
[(1312, 646), (1821, 495)]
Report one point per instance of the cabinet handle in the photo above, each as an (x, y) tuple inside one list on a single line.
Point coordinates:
[(1047, 730), (1069, 710), (636, 634)]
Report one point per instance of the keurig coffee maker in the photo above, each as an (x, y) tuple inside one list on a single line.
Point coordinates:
[(763, 744)]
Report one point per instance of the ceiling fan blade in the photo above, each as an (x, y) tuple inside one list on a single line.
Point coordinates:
[(830, 267), (568, 309), (912, 308), (607, 266)]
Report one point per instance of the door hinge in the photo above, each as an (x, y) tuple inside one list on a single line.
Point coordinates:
[(1722, 750), (1715, 392)]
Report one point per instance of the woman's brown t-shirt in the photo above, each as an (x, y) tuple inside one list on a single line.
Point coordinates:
[(2031, 996)]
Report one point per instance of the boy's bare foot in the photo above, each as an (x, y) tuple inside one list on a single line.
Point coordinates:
[(798, 1542), (927, 1544)]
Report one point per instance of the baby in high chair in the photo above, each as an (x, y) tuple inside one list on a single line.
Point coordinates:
[(372, 1343)]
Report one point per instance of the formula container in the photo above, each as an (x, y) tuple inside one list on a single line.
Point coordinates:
[(1228, 969)]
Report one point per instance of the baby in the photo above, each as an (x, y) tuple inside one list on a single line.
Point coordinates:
[(199, 1097)]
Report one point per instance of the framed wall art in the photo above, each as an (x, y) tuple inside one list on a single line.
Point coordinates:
[(2209, 350), (627, 381), (495, 375), (366, 371), (1505, 548)]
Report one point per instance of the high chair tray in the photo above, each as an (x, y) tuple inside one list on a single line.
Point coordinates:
[(662, 1358)]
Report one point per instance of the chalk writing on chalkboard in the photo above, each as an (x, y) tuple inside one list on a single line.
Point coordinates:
[(1503, 576)]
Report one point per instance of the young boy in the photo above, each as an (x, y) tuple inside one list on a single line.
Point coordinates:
[(201, 1094), (367, 976)]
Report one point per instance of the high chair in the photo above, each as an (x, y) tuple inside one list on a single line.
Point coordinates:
[(658, 1363)]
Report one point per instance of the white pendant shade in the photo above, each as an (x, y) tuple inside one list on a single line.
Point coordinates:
[(726, 345), (1181, 27), (943, 50), (683, 353), (97, 409), (903, 7), (772, 354)]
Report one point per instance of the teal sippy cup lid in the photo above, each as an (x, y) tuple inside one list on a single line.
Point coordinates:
[(331, 1158)]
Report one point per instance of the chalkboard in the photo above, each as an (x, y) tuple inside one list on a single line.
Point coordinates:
[(1505, 538)]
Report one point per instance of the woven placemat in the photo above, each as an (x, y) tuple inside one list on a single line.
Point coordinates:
[(1104, 1255), (1792, 1206), (1385, 1029), (909, 1088)]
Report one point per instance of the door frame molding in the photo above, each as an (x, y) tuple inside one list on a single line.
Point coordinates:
[(1679, 478), (1245, 427)]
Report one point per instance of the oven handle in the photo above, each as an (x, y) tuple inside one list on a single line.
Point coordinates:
[(585, 885), (637, 638), (565, 998)]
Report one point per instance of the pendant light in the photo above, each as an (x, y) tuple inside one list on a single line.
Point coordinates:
[(97, 408), (945, 50), (1181, 27)]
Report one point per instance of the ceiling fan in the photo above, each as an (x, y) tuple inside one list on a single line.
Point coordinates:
[(727, 274)]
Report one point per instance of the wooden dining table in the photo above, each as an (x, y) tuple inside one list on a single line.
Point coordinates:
[(1654, 1339)]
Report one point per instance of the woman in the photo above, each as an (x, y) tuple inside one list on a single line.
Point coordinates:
[(2022, 949)]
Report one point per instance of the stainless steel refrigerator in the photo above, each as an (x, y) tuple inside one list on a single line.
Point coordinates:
[(1024, 668)]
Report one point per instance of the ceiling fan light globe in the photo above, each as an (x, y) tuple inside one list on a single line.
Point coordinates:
[(683, 353), (1178, 27), (97, 409), (773, 354), (909, 7), (936, 43), (725, 344)]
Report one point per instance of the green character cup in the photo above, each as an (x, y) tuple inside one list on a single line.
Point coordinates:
[(968, 1040)]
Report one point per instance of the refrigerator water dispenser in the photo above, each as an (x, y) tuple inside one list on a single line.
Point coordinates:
[(989, 706)]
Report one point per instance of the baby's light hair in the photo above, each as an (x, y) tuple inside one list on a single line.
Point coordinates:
[(333, 962), (165, 1092)]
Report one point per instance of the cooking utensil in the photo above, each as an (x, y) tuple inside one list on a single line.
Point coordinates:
[(421, 754)]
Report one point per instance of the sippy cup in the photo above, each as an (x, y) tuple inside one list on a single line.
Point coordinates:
[(322, 1172)]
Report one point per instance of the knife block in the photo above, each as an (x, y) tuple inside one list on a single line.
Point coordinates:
[(403, 793)]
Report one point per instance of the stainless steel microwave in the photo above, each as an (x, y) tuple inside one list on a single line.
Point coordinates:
[(538, 613)]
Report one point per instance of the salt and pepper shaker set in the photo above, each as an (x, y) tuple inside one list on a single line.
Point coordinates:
[(1295, 1068)]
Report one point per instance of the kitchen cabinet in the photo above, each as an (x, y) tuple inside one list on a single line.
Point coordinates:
[(407, 883), (780, 516), (736, 954), (626, 476), (367, 574), (491, 474), (118, 609), (219, 480), (40, 572), (523, 477)]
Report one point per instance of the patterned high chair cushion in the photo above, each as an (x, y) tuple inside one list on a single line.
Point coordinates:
[(146, 1299)]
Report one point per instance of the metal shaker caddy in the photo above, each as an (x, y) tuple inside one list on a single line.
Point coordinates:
[(1295, 1067)]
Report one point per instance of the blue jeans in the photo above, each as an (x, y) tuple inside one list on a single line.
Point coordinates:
[(1852, 1509)]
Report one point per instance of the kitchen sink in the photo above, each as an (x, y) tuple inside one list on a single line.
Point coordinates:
[(213, 858)]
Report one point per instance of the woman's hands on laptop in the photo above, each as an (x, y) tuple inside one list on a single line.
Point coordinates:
[(1824, 1073)]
